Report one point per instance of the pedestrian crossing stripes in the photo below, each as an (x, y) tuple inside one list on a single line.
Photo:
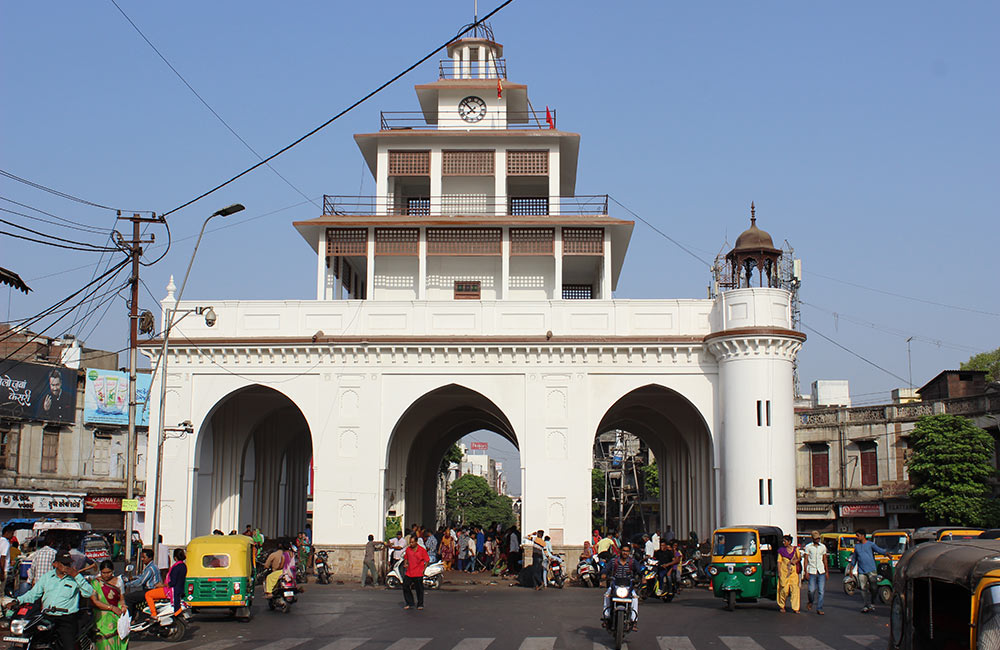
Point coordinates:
[(769, 642)]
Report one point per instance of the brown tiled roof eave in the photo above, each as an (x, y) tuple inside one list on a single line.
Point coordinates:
[(417, 340), (756, 331), (492, 133)]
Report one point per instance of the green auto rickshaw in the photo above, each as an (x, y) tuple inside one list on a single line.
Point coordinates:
[(839, 547), (744, 564), (220, 574)]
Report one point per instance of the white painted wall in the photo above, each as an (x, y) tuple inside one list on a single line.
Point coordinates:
[(443, 272), (395, 277), (531, 277)]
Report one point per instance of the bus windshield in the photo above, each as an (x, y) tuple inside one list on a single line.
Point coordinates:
[(735, 543)]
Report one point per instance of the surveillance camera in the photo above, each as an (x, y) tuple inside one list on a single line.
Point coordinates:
[(210, 317)]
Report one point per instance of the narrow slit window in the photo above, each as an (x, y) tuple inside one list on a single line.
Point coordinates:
[(760, 413), (770, 493), (760, 487), (768, 408)]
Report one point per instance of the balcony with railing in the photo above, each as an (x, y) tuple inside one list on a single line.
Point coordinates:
[(488, 69), (451, 205), (418, 120)]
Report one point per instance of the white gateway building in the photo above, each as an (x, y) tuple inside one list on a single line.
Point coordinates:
[(474, 292)]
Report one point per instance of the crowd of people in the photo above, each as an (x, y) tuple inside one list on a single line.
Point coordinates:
[(473, 549)]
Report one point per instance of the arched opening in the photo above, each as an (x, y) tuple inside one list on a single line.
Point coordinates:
[(654, 424), (253, 459), (425, 432)]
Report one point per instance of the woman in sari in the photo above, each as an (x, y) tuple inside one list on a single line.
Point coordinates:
[(447, 548), (789, 583), (108, 607)]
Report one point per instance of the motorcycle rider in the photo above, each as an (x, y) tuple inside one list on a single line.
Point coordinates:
[(147, 580), (665, 562), (674, 573), (623, 569), (60, 588)]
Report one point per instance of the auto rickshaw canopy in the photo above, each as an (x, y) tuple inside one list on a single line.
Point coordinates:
[(963, 562), (217, 555)]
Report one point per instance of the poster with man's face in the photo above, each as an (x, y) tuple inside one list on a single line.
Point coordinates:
[(33, 391)]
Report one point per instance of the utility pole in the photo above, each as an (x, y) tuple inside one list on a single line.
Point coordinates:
[(134, 248)]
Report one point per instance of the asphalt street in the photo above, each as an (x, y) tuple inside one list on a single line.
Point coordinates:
[(500, 617)]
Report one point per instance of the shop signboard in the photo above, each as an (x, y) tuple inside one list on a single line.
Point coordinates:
[(105, 398), (480, 446), (862, 510), (115, 503), (43, 502), (33, 391)]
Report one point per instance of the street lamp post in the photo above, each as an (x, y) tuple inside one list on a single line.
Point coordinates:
[(210, 318)]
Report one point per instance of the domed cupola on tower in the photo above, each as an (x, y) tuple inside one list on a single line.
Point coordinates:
[(754, 250)]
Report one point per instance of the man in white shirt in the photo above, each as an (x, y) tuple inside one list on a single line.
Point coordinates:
[(398, 546), (656, 541), (5, 553), (648, 548), (817, 571)]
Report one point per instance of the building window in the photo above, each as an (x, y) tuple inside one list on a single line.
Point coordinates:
[(527, 163), (583, 241), (347, 241), (467, 290), (770, 493), (409, 163), (467, 163), (8, 448), (464, 241), (820, 456), (767, 411), (760, 490), (578, 292), (529, 206), (50, 450), (760, 413), (532, 241), (869, 463)]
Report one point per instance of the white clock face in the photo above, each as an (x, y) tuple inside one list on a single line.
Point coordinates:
[(472, 109)]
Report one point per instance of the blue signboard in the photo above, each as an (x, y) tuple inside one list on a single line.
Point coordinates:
[(32, 391), (105, 398)]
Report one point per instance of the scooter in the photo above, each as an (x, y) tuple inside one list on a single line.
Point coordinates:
[(432, 575), (167, 624), (283, 594), (690, 575), (322, 568), (618, 617), (587, 570), (883, 588), (31, 627), (651, 585), (558, 575)]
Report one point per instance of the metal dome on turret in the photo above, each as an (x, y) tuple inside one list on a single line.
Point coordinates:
[(753, 238), (754, 250)]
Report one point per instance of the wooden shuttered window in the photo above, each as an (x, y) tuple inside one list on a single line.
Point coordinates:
[(468, 163), (397, 241), (532, 241), (820, 456), (468, 289), (409, 163), (347, 241), (583, 241), (463, 241), (528, 163), (869, 463)]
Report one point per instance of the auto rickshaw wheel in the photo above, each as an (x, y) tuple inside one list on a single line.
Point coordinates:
[(730, 600), (885, 594)]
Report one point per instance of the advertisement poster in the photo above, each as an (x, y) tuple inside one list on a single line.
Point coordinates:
[(105, 398), (32, 391)]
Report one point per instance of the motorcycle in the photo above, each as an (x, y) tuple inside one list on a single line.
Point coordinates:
[(322, 568), (558, 575), (167, 624), (432, 575), (31, 627), (690, 575), (283, 594), (618, 617), (589, 576), (882, 588), (651, 586)]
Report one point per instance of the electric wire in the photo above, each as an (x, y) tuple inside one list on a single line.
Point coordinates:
[(50, 236), (63, 246), (661, 233), (340, 114), (58, 193), (850, 351), (66, 223), (206, 104), (905, 297)]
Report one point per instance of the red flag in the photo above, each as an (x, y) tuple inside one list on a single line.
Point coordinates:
[(499, 89), (548, 118)]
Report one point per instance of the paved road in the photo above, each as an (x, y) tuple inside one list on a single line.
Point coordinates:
[(499, 617)]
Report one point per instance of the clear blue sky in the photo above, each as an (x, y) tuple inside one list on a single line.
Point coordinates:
[(867, 134)]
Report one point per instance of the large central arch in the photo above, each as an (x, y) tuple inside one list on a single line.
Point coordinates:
[(677, 434), (419, 440), (252, 460)]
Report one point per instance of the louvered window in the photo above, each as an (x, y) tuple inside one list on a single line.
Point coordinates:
[(583, 241), (347, 241), (820, 455), (409, 163), (463, 241), (869, 463), (532, 241), (527, 163), (467, 163), (396, 241)]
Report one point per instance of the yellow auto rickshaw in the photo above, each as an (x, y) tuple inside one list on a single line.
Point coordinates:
[(220, 574), (947, 596), (839, 547), (744, 564)]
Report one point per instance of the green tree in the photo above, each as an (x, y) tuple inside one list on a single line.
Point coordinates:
[(988, 361), (950, 468), (651, 480), (471, 502), (453, 455), (597, 498)]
